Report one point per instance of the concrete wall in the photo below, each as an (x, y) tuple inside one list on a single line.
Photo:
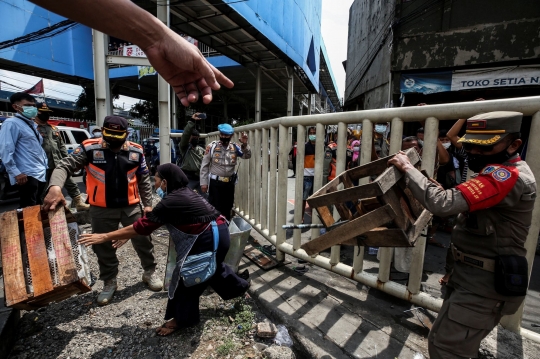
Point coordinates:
[(368, 63), (461, 33)]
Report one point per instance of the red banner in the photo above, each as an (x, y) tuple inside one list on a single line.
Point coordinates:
[(37, 88)]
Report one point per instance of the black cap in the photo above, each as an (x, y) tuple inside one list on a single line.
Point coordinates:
[(115, 123), (490, 128), (42, 107)]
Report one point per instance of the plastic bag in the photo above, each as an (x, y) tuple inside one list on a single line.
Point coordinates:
[(282, 337)]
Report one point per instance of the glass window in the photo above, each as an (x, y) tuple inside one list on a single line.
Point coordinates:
[(65, 137), (79, 136)]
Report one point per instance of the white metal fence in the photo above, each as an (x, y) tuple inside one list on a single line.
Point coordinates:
[(261, 193)]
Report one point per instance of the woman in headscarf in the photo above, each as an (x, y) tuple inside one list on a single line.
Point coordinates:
[(187, 216)]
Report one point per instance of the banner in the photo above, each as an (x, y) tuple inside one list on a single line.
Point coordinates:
[(37, 88), (146, 71), (426, 83), (133, 51), (498, 77), (433, 82)]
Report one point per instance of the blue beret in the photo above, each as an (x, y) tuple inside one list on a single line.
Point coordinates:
[(225, 129)]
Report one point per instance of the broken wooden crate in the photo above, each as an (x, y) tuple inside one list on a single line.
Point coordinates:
[(42, 261), (387, 215)]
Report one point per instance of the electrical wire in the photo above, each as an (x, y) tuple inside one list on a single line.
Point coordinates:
[(41, 34), (33, 83)]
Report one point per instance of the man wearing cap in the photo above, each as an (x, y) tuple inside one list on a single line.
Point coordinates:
[(54, 147), (96, 132), (490, 275), (191, 154), (218, 168), (117, 181)]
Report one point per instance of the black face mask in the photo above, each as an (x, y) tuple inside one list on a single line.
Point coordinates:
[(194, 142), (44, 116), (113, 143), (478, 162), (225, 140)]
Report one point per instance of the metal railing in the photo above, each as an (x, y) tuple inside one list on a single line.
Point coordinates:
[(261, 195)]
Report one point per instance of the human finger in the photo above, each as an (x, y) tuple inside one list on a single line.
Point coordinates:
[(221, 78), (192, 92)]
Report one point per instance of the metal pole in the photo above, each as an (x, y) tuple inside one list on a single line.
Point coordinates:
[(102, 89), (256, 152), (290, 101), (163, 102), (513, 322), (299, 183), (258, 95), (272, 194), (318, 180), (265, 163), (174, 111), (251, 205), (341, 158), (429, 154), (282, 192)]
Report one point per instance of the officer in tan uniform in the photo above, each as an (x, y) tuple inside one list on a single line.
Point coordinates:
[(218, 168), (490, 275), (54, 147), (117, 182)]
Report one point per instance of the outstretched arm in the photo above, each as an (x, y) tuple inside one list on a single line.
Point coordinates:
[(180, 63), (119, 237)]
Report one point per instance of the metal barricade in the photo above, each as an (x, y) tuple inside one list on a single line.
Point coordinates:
[(261, 194)]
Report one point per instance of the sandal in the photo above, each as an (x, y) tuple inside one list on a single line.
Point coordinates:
[(165, 326)]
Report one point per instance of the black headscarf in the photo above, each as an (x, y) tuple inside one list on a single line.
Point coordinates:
[(181, 205)]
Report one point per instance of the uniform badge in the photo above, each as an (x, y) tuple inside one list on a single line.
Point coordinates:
[(207, 151), (328, 155), (489, 169), (216, 154), (133, 156), (501, 174), (216, 160), (98, 155), (77, 151)]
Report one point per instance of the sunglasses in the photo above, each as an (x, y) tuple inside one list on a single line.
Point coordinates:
[(468, 147)]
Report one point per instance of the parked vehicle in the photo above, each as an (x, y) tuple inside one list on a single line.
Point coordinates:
[(73, 137)]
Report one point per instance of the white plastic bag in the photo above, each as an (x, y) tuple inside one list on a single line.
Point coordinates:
[(282, 337)]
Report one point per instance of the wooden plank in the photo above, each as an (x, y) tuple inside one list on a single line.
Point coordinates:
[(326, 217), (415, 206), (14, 284), (67, 271), (367, 190), (381, 237), (261, 259), (419, 225), (392, 198), (344, 211), (37, 252), (388, 178), (347, 183), (351, 229), (369, 169)]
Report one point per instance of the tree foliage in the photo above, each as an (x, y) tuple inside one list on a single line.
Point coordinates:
[(147, 111), (85, 105)]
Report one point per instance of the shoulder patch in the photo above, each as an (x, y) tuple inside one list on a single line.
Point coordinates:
[(207, 150), (136, 145), (54, 127), (77, 150), (488, 189)]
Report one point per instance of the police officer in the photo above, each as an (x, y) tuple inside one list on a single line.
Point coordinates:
[(218, 168), (55, 148), (490, 275), (117, 181), (191, 154)]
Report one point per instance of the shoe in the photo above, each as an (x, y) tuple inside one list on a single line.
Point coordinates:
[(244, 275), (151, 279), (293, 176), (79, 204), (109, 287)]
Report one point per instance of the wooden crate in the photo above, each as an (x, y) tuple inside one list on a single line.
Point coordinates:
[(42, 261), (387, 215)]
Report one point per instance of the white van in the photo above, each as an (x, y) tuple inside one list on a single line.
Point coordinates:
[(73, 137)]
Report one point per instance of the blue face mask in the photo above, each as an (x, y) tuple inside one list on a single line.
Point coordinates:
[(29, 111), (161, 193), (312, 137), (380, 128)]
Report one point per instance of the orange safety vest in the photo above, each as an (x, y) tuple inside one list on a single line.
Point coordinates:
[(332, 174), (111, 177)]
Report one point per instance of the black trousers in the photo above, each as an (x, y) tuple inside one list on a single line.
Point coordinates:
[(184, 307), (221, 196), (31, 192)]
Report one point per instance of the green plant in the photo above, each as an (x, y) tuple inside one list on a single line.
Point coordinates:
[(226, 348), (244, 318)]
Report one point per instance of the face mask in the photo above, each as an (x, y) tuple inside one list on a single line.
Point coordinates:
[(194, 142), (356, 149), (43, 116), (97, 134), (312, 137), (225, 140), (478, 162), (380, 128), (161, 193), (29, 111), (113, 143), (446, 145), (421, 142)]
